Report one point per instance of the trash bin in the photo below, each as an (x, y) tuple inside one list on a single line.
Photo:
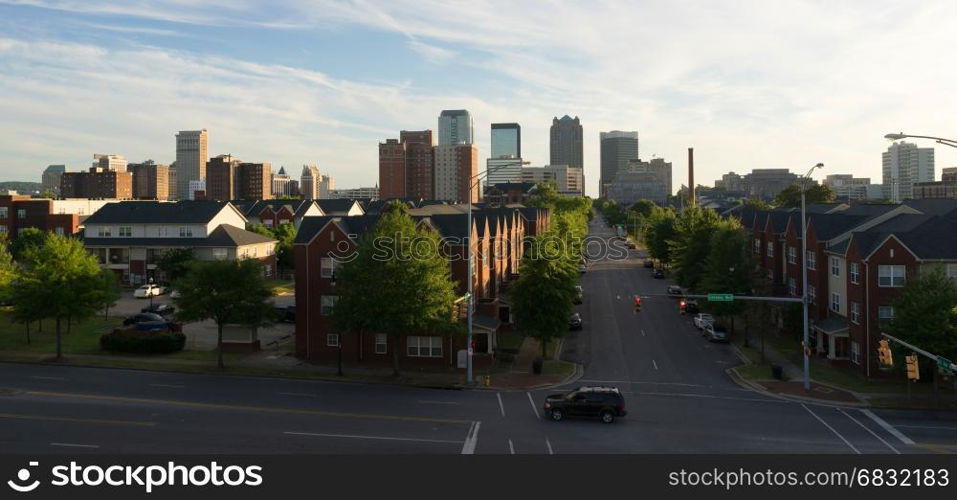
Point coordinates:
[(537, 366), (777, 372)]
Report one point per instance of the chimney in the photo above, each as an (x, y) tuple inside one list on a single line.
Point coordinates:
[(691, 196)]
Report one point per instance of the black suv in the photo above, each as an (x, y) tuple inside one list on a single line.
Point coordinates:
[(604, 402)]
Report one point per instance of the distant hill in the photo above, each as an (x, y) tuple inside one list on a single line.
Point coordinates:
[(21, 187)]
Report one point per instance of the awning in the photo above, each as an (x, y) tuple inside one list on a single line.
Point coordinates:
[(485, 322), (836, 326)]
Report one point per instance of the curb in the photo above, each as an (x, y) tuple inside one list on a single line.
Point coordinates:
[(753, 386)]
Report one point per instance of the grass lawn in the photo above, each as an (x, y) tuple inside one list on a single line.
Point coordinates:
[(281, 286), (555, 367), (84, 337), (510, 340), (755, 372)]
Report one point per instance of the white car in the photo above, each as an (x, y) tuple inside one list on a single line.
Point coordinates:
[(146, 291), (702, 320), (174, 294)]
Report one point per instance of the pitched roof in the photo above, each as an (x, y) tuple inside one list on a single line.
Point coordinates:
[(933, 206), (156, 212), (336, 205), (827, 226), (223, 236)]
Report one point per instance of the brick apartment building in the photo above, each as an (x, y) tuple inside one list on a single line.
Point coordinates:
[(97, 183), (272, 213), (64, 217), (150, 181), (509, 193)]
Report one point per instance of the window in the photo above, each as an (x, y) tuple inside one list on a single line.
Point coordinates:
[(855, 273), (757, 245), (219, 253), (424, 347), (104, 231), (126, 232), (835, 266), (332, 339), (327, 266), (952, 271), (855, 352), (890, 276), (267, 223), (3, 229), (792, 287), (22, 213), (770, 249), (811, 260), (855, 313), (884, 315), (792, 255), (328, 302), (57, 230), (185, 232), (770, 275), (4, 212), (812, 295), (380, 343), (836, 302)]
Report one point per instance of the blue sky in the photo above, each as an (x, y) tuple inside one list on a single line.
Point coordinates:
[(748, 84)]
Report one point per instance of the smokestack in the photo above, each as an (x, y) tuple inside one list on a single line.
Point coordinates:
[(691, 196)]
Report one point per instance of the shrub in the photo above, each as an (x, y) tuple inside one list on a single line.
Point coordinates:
[(143, 342)]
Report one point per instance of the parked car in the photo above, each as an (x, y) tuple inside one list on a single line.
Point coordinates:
[(142, 317), (147, 291), (649, 264), (658, 274), (703, 319), (575, 322), (674, 290), (604, 402), (716, 333), (688, 306), (632, 246), (285, 314), (579, 294), (161, 309), (174, 294)]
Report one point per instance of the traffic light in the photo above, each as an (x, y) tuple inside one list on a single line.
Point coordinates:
[(637, 303), (681, 306), (913, 371), (884, 354)]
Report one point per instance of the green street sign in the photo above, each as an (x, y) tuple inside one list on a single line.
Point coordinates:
[(944, 364), (720, 297)]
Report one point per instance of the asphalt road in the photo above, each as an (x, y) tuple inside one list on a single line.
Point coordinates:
[(678, 396)]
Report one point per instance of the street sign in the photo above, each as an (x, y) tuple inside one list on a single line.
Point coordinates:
[(944, 364), (720, 297)]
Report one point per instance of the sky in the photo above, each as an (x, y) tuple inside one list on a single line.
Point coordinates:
[(747, 83)]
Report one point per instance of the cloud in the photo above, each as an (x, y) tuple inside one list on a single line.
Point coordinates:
[(431, 53)]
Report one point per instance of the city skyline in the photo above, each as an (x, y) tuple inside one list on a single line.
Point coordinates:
[(789, 96)]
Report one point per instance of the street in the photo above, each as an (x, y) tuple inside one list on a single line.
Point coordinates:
[(679, 399)]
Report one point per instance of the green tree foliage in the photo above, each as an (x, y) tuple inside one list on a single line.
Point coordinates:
[(729, 267), (398, 283), (260, 230), (757, 204), (108, 292), (225, 291), (689, 247), (175, 263), (925, 313), (62, 281), (285, 235), (643, 208), (659, 231), (543, 295), (29, 238), (8, 269), (790, 197)]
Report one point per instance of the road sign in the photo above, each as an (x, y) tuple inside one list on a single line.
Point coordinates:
[(720, 297), (944, 364), (470, 351)]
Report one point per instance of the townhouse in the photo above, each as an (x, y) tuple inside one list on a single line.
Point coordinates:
[(858, 258), (272, 213), (129, 237)]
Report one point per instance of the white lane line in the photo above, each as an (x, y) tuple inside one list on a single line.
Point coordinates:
[(300, 394), (932, 427), (38, 377), (71, 445), (469, 447), (500, 405), (356, 436), (705, 396), (548, 445), (532, 402), (654, 364), (511, 447), (866, 428), (838, 434), (888, 427), (168, 385), (642, 333), (428, 402)]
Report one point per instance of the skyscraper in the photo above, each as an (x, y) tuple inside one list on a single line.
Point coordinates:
[(905, 164), (565, 147), (419, 163), (309, 182), (150, 181), (392, 172), (455, 168), (455, 127), (191, 155), (617, 147), (221, 178), (51, 178), (506, 140), (254, 181), (109, 163)]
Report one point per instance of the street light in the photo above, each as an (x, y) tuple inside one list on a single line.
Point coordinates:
[(939, 140), (807, 352), (151, 293)]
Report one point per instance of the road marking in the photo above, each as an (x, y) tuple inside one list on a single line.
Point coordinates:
[(300, 394), (428, 402), (888, 427), (380, 438), (706, 396), (472, 439), (872, 432), (532, 402), (76, 420), (167, 385), (263, 409), (738, 389), (932, 427), (642, 333), (71, 445), (838, 434), (511, 448), (548, 445), (500, 405), (654, 364), (46, 378)]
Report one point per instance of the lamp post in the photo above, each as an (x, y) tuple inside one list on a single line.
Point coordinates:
[(939, 140), (807, 350), (151, 293)]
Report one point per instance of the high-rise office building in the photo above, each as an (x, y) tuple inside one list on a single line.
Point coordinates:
[(455, 168), (192, 152), (641, 180), (109, 163), (51, 178), (419, 163), (309, 182), (455, 127), (904, 164), (254, 181), (506, 140), (766, 183), (327, 185), (281, 183), (569, 180), (97, 183), (172, 194), (222, 179), (617, 148), (392, 171), (565, 145), (150, 181), (846, 187)]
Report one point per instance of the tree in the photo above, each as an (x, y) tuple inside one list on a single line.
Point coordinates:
[(729, 268), (757, 204), (790, 197), (658, 233), (260, 230), (174, 263), (398, 283), (29, 238), (644, 208), (225, 291), (108, 292), (62, 281), (925, 313), (285, 235), (689, 247), (543, 295), (8, 269)]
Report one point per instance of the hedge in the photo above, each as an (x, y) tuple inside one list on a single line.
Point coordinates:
[(143, 342)]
